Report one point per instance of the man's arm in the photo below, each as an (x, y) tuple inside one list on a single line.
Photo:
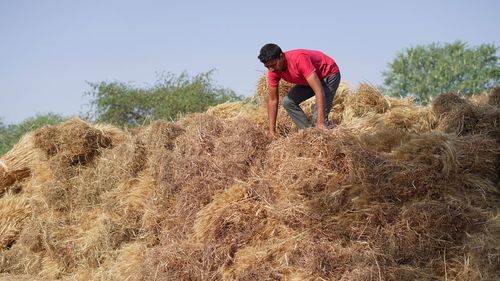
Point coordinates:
[(315, 84), (272, 109)]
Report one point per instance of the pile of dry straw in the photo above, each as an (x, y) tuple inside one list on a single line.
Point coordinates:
[(395, 192)]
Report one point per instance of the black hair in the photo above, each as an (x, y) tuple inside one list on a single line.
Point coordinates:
[(269, 52)]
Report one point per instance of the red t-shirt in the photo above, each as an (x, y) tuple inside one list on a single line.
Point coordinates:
[(300, 64)]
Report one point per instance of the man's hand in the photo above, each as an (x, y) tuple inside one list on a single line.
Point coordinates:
[(322, 125), (273, 134), (272, 108)]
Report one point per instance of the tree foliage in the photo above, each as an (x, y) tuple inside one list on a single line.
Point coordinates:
[(10, 134), (426, 71), (126, 105)]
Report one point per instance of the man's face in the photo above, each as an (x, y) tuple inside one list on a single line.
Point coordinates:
[(277, 65)]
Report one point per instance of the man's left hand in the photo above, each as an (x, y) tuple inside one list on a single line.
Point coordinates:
[(322, 125)]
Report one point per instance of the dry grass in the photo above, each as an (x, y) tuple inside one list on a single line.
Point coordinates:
[(395, 192)]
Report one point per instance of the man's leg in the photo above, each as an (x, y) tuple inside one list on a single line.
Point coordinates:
[(292, 101)]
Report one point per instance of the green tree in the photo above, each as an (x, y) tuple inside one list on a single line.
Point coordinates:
[(126, 105), (426, 71), (10, 134)]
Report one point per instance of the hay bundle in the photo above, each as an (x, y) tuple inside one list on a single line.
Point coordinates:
[(287, 254), (71, 149), (129, 198), (410, 119), (66, 187), (16, 164), (127, 265), (20, 260), (384, 139), (160, 135), (425, 229), (307, 160), (265, 257), (206, 159), (124, 162), (384, 132), (221, 228), (83, 244), (396, 176), (494, 97), (460, 121), (482, 258), (126, 150), (127, 204), (367, 99), (479, 99), (241, 147), (477, 155), (324, 259), (233, 215), (396, 102), (349, 214), (448, 102), (454, 114), (58, 254), (435, 150), (52, 268), (92, 239), (189, 155), (13, 211), (180, 261), (231, 110), (230, 221), (201, 134), (74, 140), (26, 252), (159, 139), (489, 122), (335, 261), (78, 242), (58, 196), (312, 175), (340, 104), (70, 235)]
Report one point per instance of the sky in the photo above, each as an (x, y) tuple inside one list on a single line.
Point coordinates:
[(50, 50)]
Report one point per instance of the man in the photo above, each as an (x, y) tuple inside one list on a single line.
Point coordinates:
[(314, 73)]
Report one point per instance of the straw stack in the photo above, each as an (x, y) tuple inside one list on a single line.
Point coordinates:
[(395, 192)]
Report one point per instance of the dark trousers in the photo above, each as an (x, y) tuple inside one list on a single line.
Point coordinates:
[(300, 93)]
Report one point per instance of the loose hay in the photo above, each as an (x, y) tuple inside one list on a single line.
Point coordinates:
[(395, 192), (231, 110)]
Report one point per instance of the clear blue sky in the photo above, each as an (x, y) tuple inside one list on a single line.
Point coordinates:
[(49, 49)]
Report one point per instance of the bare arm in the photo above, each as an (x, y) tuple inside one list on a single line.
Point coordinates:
[(272, 109), (315, 83)]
